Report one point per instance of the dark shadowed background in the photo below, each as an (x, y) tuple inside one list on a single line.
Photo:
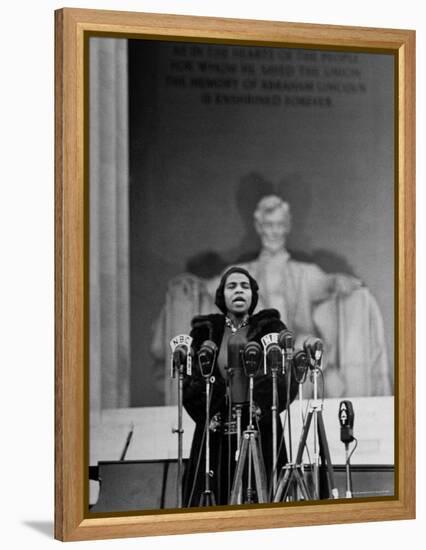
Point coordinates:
[(215, 127)]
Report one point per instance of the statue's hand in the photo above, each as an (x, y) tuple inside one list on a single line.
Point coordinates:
[(346, 284), (183, 279)]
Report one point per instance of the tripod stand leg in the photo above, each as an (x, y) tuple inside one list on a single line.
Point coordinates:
[(238, 479), (292, 474), (282, 484), (303, 438), (207, 499), (259, 471), (287, 480), (301, 483), (324, 445), (289, 484)]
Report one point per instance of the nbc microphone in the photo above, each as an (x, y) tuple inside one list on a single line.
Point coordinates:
[(181, 360), (181, 363), (273, 356)]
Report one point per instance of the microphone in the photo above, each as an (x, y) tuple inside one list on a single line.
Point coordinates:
[(346, 419), (314, 349), (207, 358), (300, 366), (181, 360), (273, 357), (238, 380), (180, 356), (252, 356), (286, 342)]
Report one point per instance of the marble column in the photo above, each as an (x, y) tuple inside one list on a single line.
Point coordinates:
[(109, 225)]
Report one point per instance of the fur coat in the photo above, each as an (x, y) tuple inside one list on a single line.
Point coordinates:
[(223, 446)]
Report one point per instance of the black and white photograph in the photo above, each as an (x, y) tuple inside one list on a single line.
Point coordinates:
[(242, 274), (211, 235)]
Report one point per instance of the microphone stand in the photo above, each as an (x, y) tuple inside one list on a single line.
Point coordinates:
[(271, 350), (252, 453), (346, 418), (179, 431), (287, 364), (348, 473), (274, 409), (207, 497), (237, 396), (316, 409), (295, 471), (285, 340), (301, 380), (206, 362), (320, 437), (239, 412), (183, 367)]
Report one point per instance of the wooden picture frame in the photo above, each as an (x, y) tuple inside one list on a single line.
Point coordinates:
[(71, 271)]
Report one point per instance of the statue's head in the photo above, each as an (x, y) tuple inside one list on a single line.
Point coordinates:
[(272, 222)]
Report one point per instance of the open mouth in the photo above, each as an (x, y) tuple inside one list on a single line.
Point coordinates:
[(238, 301)]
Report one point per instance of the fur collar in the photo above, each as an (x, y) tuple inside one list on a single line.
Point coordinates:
[(211, 327)]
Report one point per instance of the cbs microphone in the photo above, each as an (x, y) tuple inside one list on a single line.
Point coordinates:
[(252, 356), (300, 366), (207, 358), (286, 342), (314, 349)]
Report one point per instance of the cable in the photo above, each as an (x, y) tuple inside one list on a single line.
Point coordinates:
[(353, 450), (323, 386), (256, 419)]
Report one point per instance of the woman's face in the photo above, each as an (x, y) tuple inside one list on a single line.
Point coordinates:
[(237, 294)]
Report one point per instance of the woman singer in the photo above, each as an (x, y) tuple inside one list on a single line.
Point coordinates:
[(236, 297)]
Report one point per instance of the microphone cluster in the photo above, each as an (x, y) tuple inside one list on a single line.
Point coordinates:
[(243, 363), (278, 355)]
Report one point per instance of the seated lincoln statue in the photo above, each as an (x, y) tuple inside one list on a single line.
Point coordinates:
[(334, 307)]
